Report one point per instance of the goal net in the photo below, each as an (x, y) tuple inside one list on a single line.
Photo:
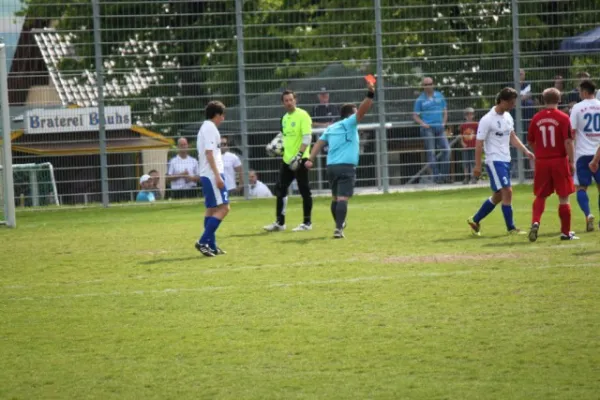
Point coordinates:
[(34, 185)]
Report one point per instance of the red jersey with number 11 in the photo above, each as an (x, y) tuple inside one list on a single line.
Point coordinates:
[(548, 131)]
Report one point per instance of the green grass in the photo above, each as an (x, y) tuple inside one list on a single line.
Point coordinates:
[(117, 304)]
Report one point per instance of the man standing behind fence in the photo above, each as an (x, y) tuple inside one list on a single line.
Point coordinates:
[(297, 133), (183, 173), (431, 113)]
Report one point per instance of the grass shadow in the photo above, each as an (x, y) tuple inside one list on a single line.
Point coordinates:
[(242, 235), (171, 260), (306, 240), (509, 244), (586, 253)]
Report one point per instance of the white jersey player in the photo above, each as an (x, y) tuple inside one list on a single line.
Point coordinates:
[(495, 133), (585, 122), (211, 176)]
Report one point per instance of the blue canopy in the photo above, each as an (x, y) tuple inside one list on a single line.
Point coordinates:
[(585, 42)]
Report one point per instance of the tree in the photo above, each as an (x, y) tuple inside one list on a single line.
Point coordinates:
[(190, 47)]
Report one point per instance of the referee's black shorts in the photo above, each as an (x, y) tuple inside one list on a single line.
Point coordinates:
[(287, 176), (342, 178)]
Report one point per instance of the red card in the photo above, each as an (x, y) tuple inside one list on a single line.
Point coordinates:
[(370, 79)]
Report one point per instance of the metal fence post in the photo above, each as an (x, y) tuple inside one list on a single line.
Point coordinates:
[(6, 158), (382, 148), (517, 83), (239, 27), (100, 84)]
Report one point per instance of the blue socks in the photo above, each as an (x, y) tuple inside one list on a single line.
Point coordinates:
[(584, 202), (508, 216), (486, 208), (211, 224)]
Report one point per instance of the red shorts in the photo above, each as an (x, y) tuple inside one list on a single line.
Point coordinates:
[(553, 175)]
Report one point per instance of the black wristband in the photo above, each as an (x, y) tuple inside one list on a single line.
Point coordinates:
[(370, 94)]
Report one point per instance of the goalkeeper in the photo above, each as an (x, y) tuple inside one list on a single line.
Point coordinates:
[(342, 157), (296, 129)]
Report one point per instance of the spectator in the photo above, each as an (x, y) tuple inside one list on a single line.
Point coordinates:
[(232, 167), (468, 132), (324, 114), (527, 102), (559, 84), (155, 179), (573, 96), (145, 195), (257, 188), (183, 173), (431, 114), (525, 90)]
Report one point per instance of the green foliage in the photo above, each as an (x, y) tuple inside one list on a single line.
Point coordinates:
[(466, 45)]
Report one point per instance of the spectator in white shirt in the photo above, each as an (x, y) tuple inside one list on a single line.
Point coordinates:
[(183, 173), (232, 167), (257, 188)]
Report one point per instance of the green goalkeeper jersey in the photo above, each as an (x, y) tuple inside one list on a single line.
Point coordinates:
[(294, 126)]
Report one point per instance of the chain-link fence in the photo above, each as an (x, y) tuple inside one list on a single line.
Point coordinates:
[(159, 62)]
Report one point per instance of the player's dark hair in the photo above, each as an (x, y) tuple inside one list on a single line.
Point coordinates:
[(152, 171), (551, 96), (588, 86), (286, 92), (347, 110), (214, 108), (506, 94)]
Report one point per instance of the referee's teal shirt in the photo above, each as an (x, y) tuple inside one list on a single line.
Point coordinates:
[(343, 141)]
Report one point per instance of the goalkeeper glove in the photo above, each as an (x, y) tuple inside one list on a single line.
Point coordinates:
[(296, 161)]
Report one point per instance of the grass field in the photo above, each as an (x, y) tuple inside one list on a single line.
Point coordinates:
[(117, 303)]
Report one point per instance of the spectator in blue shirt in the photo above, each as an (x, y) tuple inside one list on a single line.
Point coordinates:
[(431, 113), (145, 195)]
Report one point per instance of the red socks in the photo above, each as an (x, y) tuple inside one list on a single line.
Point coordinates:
[(539, 204), (564, 212)]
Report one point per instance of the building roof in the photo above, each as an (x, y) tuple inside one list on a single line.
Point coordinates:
[(134, 139), (80, 87), (79, 143)]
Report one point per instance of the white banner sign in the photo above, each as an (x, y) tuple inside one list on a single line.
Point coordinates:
[(76, 119)]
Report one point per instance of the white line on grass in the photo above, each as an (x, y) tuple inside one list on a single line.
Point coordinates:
[(189, 272), (287, 285), (223, 288)]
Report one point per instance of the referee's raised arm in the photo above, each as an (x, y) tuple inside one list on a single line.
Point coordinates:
[(366, 104)]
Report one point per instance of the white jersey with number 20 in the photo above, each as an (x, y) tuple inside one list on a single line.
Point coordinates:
[(585, 120)]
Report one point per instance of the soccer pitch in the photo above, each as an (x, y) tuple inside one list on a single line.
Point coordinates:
[(117, 303)]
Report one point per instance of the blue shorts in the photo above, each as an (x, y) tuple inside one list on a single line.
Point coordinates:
[(213, 196), (499, 173), (583, 174)]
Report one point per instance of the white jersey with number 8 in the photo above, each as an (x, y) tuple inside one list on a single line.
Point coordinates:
[(585, 120)]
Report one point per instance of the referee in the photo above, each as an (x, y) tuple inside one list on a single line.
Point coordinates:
[(342, 158), (296, 129)]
